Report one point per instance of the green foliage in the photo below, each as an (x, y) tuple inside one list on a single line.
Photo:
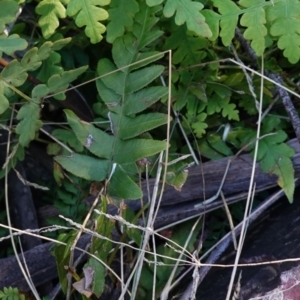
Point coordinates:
[(51, 11), (275, 156), (11, 294), (88, 13), (185, 11), (121, 13), (121, 41), (11, 44), (285, 23), (164, 265), (8, 10), (254, 20)]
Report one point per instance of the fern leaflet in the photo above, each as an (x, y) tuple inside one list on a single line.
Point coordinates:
[(88, 13)]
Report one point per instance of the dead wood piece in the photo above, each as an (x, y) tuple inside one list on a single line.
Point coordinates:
[(40, 262), (176, 206), (237, 181), (276, 238)]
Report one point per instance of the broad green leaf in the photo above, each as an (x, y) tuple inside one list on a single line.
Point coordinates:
[(60, 82), (102, 143), (230, 14), (14, 73), (254, 20), (113, 81), (30, 124), (109, 97), (212, 19), (126, 127), (143, 99), (284, 16), (11, 44), (99, 272), (106, 146), (89, 13), (8, 10), (69, 138), (144, 28), (4, 104), (139, 79), (124, 53), (51, 11), (84, 166), (188, 12), (133, 150), (121, 186), (121, 14), (39, 91)]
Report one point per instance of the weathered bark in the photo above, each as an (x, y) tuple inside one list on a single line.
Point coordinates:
[(175, 207), (277, 237)]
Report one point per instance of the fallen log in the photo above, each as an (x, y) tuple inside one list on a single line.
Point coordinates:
[(176, 206)]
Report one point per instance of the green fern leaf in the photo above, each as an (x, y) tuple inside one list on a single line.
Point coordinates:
[(60, 82), (50, 67), (4, 103), (139, 101), (230, 14), (16, 72), (139, 79), (30, 124), (50, 11), (123, 187), (229, 110), (212, 19), (84, 166), (275, 158), (254, 19), (188, 12), (199, 125), (143, 28), (132, 127), (8, 10), (88, 13), (121, 15), (274, 155), (11, 44), (284, 16), (188, 48), (111, 148)]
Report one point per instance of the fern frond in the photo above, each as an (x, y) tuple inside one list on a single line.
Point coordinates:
[(16, 72), (51, 11), (188, 12), (229, 19), (188, 48), (12, 43), (254, 20), (89, 13), (121, 15), (284, 16)]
